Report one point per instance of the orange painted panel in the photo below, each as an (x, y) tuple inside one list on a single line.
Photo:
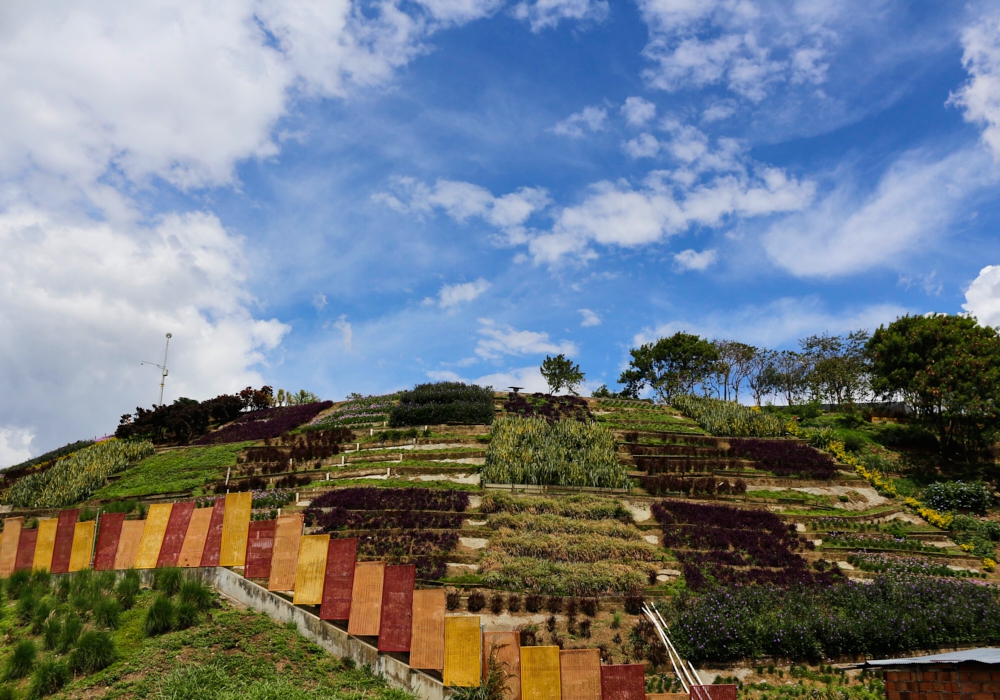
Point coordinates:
[(8, 547), (285, 555), (366, 599), (83, 546), (462, 651), (128, 543), (427, 634), (508, 655), (194, 540), (580, 674), (310, 570), (152, 535), (540, 673), (46, 543), (236, 529)]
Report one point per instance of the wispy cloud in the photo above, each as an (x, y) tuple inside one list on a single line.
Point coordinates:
[(577, 125), (499, 340), (590, 319), (452, 295), (693, 260)]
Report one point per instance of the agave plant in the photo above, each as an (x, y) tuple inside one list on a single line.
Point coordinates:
[(729, 418)]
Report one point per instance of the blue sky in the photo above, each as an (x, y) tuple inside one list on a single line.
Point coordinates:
[(362, 196)]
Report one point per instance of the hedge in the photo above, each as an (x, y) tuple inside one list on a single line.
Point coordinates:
[(443, 402)]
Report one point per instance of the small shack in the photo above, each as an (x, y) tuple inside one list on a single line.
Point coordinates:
[(959, 675)]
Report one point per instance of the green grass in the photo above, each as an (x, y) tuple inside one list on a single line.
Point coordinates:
[(402, 483), (177, 470), (790, 495)]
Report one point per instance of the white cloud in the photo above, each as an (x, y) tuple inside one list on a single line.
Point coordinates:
[(718, 112), (460, 11), (844, 233), (499, 340), (529, 378), (589, 318), (545, 14), (451, 295), (589, 119), (982, 298), (642, 146), (346, 331), (693, 260), (980, 96), (638, 111), (319, 301), (15, 446)]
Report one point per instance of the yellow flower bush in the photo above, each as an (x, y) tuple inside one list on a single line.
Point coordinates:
[(877, 479), (989, 564)]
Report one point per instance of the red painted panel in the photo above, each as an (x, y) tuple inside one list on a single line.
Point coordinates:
[(397, 608), (721, 691), (26, 550), (173, 539), (339, 582), (108, 532), (623, 682), (63, 548), (213, 543), (260, 545)]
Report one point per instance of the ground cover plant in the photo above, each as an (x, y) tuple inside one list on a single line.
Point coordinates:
[(549, 407), (663, 464), (342, 519), (393, 499), (358, 411), (265, 423), (427, 551), (659, 485), (76, 477), (578, 506), (876, 541), (282, 454), (728, 418), (565, 453), (974, 535), (785, 457), (956, 495), (443, 402), (173, 471), (921, 566)]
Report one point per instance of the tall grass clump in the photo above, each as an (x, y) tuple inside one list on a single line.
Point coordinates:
[(728, 418), (107, 612), (17, 581), (72, 627), (127, 589), (49, 677), (566, 453), (167, 580), (197, 594), (21, 660), (94, 651), (159, 617)]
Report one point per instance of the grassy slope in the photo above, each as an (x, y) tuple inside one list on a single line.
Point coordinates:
[(176, 470), (235, 654)]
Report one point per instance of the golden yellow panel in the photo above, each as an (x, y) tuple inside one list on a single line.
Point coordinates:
[(236, 529), (8, 548), (310, 571), (83, 546), (462, 651), (128, 543), (45, 544), (152, 535), (540, 673), (580, 674), (285, 553)]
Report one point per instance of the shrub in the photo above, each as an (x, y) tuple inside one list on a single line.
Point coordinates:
[(533, 603), (94, 651), (527, 635), (588, 606), (452, 599), (633, 604), (496, 603), (476, 601), (554, 604), (514, 603), (264, 424), (186, 616), (71, 628), (167, 580), (566, 453), (49, 677), (196, 593), (17, 581), (585, 629), (21, 660), (159, 617), (956, 495), (364, 498), (127, 590), (549, 407), (443, 402), (785, 458), (107, 612), (728, 418)]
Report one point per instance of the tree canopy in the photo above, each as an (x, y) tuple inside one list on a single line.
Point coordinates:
[(670, 366), (560, 373)]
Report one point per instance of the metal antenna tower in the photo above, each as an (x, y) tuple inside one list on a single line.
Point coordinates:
[(163, 368)]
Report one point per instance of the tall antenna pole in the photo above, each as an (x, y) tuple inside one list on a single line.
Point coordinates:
[(163, 368)]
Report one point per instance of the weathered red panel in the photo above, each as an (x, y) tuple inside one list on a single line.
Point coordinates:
[(108, 532), (260, 545), (173, 539), (623, 682), (63, 549), (26, 550), (397, 608), (213, 543), (721, 691), (339, 582)]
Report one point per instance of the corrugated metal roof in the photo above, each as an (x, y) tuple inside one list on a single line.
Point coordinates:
[(988, 655)]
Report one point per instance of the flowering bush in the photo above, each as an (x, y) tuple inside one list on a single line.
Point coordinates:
[(875, 541), (785, 458), (868, 561), (443, 402), (549, 407), (359, 410), (272, 498), (956, 495), (267, 423)]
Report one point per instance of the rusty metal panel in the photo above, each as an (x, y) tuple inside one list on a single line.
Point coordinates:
[(668, 696), (108, 533), (397, 608), (128, 543), (62, 550), (83, 546), (8, 547), (623, 682), (260, 544), (366, 599), (310, 570), (173, 538), (337, 588), (508, 655), (580, 674), (152, 535), (427, 638), (716, 691), (213, 539), (285, 556), (540, 673), (462, 651), (236, 528), (194, 538), (45, 544), (25, 549)]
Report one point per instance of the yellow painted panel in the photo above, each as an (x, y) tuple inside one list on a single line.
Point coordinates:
[(128, 544), (236, 529), (45, 544), (83, 546), (310, 572), (152, 535), (8, 548), (462, 651), (540, 673)]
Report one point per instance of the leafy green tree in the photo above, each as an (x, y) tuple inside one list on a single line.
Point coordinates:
[(670, 366), (733, 367), (561, 373), (786, 375), (837, 366), (947, 369), (760, 373)]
